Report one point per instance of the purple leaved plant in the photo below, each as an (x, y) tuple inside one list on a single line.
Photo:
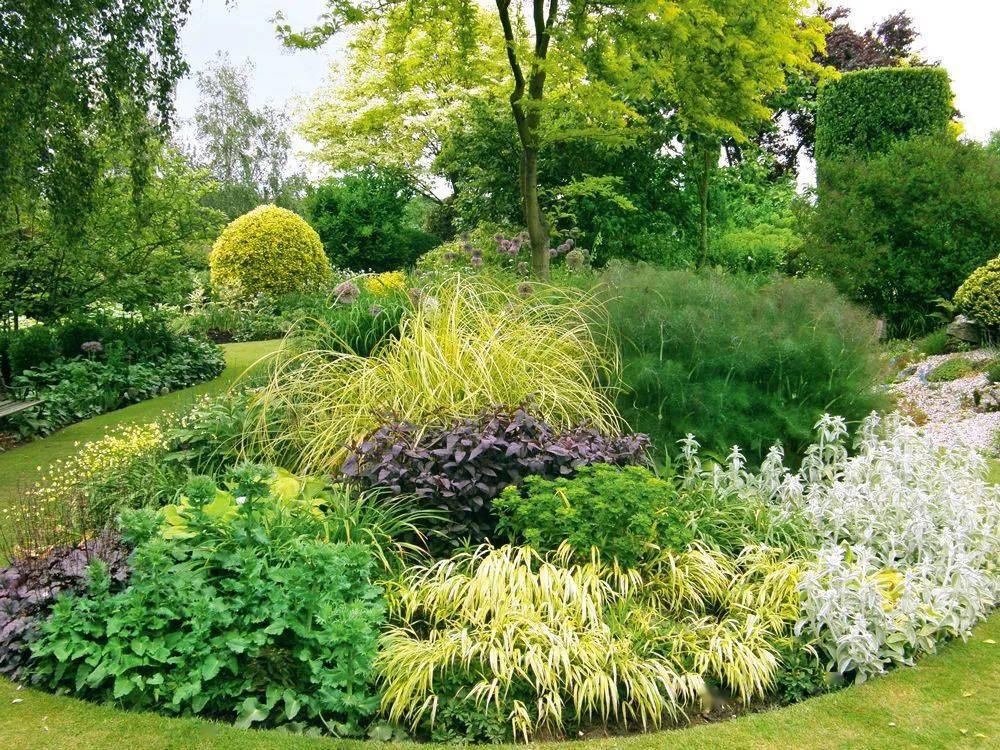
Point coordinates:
[(460, 467)]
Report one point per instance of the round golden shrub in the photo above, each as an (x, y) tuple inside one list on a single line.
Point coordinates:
[(979, 295), (269, 250)]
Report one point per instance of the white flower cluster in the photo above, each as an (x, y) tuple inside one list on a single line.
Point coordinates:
[(907, 540)]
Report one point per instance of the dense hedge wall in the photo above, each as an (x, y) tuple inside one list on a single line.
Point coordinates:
[(865, 111)]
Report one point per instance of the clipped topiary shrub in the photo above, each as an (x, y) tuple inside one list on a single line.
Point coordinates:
[(270, 250), (865, 111), (979, 295)]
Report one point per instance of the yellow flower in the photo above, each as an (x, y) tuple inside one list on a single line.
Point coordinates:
[(385, 283)]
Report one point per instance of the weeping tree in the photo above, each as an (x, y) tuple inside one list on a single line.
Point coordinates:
[(711, 63), (75, 74)]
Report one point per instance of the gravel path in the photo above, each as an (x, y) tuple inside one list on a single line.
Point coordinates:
[(950, 420)]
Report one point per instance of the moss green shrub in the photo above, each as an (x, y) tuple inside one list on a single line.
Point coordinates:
[(952, 369), (269, 250), (993, 370), (935, 342), (32, 347), (863, 112), (737, 362), (979, 295)]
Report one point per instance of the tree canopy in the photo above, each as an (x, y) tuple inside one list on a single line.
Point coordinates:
[(575, 69)]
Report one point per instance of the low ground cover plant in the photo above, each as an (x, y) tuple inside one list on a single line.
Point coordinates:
[(953, 369)]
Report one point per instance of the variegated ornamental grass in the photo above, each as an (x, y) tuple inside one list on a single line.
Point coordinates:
[(552, 643), (468, 345)]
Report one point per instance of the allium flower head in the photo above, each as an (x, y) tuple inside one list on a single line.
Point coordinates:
[(375, 310), (522, 267), (524, 289), (476, 261), (92, 347), (346, 292)]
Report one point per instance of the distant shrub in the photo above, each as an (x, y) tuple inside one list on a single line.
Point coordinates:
[(270, 250), (361, 219), (75, 332), (32, 347), (764, 248), (461, 467), (901, 229), (993, 370), (952, 369), (358, 321), (979, 295), (935, 342), (863, 112), (734, 362)]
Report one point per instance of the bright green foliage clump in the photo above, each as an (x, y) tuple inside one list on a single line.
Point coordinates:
[(632, 516), (270, 250), (237, 608), (979, 295), (624, 512), (952, 369), (863, 112)]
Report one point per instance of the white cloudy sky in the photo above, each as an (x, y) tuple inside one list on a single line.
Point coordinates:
[(959, 33)]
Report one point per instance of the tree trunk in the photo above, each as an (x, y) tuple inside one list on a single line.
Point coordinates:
[(706, 166), (534, 219)]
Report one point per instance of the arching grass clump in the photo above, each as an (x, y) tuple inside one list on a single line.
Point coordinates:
[(736, 362), (467, 345)]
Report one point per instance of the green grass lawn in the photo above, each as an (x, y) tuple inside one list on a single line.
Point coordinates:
[(19, 467), (947, 701)]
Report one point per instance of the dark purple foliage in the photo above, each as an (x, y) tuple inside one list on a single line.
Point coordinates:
[(30, 585), (461, 467)]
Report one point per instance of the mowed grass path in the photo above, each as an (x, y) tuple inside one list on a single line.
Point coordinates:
[(19, 467), (949, 700)]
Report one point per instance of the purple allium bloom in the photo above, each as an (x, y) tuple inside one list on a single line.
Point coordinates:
[(522, 267), (92, 347), (415, 295), (476, 261), (374, 310), (450, 257), (346, 293), (524, 289)]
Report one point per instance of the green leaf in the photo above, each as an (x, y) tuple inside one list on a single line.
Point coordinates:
[(250, 712), (210, 668)]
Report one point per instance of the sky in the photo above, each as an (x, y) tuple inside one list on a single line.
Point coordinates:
[(958, 33)]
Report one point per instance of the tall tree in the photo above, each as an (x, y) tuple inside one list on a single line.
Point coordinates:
[(247, 149), (710, 62), (73, 72)]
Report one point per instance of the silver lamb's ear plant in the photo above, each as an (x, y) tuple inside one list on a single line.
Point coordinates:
[(907, 538)]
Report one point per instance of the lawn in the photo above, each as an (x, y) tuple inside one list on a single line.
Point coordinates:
[(19, 467), (945, 702)]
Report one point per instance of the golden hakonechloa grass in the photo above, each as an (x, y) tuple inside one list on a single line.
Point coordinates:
[(584, 641), (468, 344)]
